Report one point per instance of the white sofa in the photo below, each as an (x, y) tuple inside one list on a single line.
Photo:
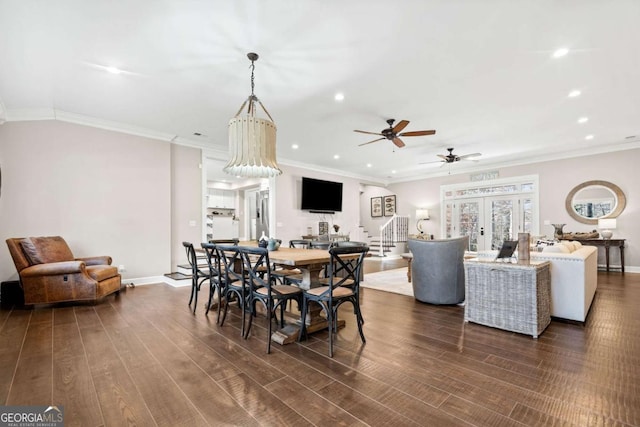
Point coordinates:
[(574, 277)]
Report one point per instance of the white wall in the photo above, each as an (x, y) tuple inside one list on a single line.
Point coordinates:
[(105, 192), (556, 180), (292, 223)]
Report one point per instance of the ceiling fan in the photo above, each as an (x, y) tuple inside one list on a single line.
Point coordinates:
[(452, 158), (391, 133)]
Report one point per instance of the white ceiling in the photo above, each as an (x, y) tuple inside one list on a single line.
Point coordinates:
[(479, 72)]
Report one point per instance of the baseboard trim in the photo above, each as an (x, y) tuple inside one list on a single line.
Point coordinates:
[(154, 280)]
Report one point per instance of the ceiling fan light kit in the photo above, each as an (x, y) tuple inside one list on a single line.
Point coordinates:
[(252, 140)]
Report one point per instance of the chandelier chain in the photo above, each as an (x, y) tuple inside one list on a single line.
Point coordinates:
[(253, 67)]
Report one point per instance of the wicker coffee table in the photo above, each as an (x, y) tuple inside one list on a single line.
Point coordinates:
[(510, 296)]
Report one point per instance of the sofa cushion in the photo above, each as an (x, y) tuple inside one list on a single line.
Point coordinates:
[(559, 248), (30, 251), (52, 249)]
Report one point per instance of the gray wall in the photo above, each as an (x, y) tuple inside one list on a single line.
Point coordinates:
[(556, 180), (105, 192), (292, 223)]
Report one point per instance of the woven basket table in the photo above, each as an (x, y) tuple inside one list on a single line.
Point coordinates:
[(514, 297)]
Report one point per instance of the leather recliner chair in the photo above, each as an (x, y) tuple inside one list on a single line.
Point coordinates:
[(49, 273)]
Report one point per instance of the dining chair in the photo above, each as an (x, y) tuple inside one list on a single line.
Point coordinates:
[(264, 289), (299, 243), (233, 241), (338, 290), (319, 244), (235, 285), (197, 275), (216, 276), (339, 269)]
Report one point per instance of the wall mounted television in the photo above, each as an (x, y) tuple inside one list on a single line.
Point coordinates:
[(321, 196)]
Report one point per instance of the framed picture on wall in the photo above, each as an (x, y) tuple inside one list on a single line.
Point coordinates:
[(389, 205), (323, 228), (376, 207)]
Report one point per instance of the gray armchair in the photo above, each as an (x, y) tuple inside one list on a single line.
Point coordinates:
[(438, 270)]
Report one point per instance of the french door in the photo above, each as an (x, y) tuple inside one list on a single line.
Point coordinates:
[(493, 218)]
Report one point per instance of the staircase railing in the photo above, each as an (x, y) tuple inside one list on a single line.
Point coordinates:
[(393, 231)]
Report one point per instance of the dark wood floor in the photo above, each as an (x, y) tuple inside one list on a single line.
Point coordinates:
[(142, 358)]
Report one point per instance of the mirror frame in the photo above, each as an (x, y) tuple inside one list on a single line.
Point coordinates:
[(621, 201)]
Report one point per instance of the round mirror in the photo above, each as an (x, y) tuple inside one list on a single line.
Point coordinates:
[(595, 199)]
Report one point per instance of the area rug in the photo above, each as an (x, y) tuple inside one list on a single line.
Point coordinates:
[(389, 281)]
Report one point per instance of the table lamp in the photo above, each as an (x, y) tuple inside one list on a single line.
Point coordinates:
[(421, 215), (606, 225)]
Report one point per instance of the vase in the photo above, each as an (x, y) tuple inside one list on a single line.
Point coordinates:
[(557, 232)]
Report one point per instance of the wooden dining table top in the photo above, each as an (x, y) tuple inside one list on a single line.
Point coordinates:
[(299, 257)]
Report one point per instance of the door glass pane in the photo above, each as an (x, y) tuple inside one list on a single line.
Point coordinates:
[(527, 215), (448, 213), (501, 222), (469, 222)]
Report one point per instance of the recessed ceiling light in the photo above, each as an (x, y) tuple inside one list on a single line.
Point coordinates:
[(336, 156), (393, 171), (583, 120), (113, 70), (560, 52), (574, 93), (588, 137), (294, 146), (369, 165), (339, 96)]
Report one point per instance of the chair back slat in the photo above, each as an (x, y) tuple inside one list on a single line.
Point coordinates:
[(213, 259), (343, 269), (191, 257)]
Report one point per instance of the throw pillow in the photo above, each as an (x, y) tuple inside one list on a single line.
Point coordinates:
[(30, 251), (52, 249)]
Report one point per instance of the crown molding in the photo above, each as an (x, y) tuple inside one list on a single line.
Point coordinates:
[(526, 159), (3, 112), (31, 114), (80, 119)]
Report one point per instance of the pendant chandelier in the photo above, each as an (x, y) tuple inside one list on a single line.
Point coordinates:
[(252, 141)]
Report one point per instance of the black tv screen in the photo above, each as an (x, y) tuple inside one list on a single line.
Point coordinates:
[(319, 195)]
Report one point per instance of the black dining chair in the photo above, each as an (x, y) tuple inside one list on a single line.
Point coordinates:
[(299, 243), (263, 288), (319, 244), (217, 277), (235, 285), (338, 290), (233, 241), (198, 276)]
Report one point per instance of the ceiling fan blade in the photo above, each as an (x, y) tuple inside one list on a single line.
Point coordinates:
[(375, 140), (401, 125), (418, 133), (466, 156), (442, 156), (398, 142), (369, 133), (428, 163)]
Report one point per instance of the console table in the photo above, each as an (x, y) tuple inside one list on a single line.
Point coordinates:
[(511, 296), (607, 243)]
